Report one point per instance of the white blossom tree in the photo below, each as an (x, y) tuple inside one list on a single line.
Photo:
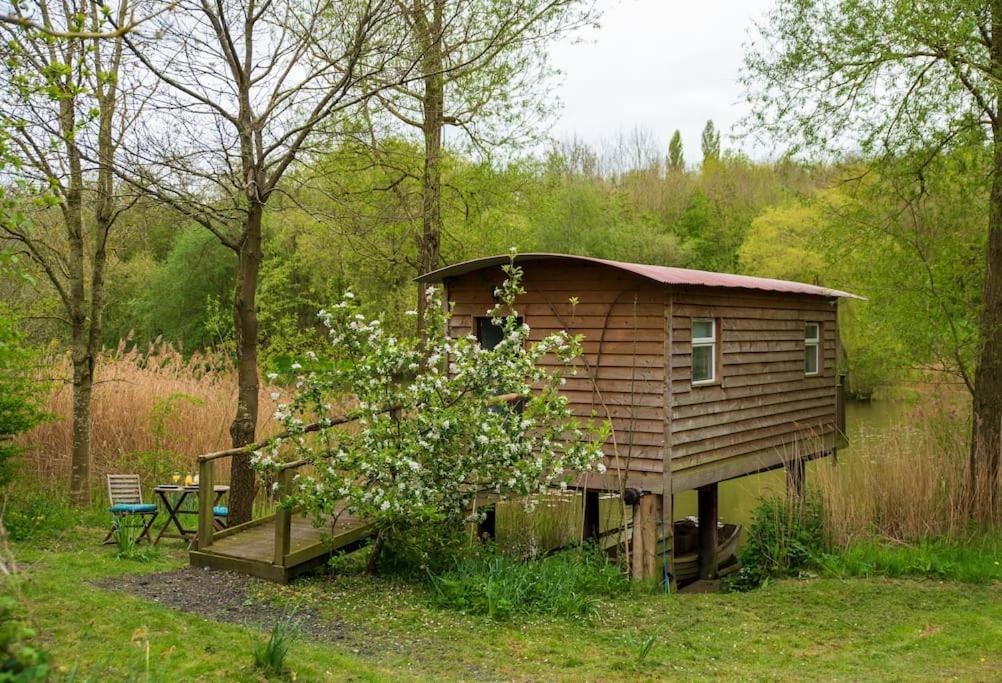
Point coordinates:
[(433, 427)]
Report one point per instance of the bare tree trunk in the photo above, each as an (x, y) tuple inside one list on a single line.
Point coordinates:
[(76, 303), (986, 441), (243, 485), (433, 105)]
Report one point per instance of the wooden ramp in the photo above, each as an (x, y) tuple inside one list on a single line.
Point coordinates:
[(251, 548)]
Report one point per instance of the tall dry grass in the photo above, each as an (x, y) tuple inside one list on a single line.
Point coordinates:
[(908, 481), (153, 411)]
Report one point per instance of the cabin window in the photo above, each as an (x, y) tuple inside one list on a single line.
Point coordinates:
[(812, 348), (490, 335), (704, 350)]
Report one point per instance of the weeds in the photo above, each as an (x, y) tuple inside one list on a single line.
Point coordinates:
[(269, 653), (568, 584), (786, 538), (128, 543)]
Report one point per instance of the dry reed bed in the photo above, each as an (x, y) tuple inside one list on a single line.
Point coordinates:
[(908, 481), (156, 403)]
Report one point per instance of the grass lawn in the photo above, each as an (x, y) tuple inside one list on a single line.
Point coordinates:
[(790, 630)]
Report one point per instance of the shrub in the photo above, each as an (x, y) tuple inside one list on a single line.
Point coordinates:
[(37, 514), (20, 659), (786, 538), (568, 584), (269, 653)]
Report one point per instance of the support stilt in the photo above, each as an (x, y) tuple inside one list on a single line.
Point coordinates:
[(591, 516), (706, 497), (645, 546)]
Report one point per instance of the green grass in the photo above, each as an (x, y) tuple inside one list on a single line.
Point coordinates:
[(822, 628), (977, 560), (567, 584)]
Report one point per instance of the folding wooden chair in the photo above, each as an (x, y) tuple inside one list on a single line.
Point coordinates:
[(126, 497)]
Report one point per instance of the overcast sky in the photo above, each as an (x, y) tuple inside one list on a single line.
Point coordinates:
[(659, 64)]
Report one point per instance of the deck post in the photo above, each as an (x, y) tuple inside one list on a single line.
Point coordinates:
[(645, 545), (283, 520), (206, 490), (706, 497), (591, 517), (795, 476)]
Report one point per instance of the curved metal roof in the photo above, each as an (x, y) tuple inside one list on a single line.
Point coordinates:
[(663, 274)]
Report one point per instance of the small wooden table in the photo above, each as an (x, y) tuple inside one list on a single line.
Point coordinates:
[(173, 496)]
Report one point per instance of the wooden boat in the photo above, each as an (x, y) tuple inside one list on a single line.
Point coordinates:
[(686, 553)]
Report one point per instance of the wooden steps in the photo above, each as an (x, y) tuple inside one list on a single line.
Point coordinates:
[(250, 548)]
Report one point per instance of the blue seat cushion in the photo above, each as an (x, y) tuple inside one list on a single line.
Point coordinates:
[(220, 511), (134, 507)]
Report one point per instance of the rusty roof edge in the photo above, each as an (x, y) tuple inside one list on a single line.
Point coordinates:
[(667, 275)]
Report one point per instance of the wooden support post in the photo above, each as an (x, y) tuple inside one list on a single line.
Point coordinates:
[(795, 475), (206, 494), (645, 536), (591, 516), (706, 503), (283, 521), (487, 527)]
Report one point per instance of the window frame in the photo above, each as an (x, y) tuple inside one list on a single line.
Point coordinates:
[(702, 342), (814, 344)]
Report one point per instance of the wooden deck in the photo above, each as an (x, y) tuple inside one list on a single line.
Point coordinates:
[(250, 548)]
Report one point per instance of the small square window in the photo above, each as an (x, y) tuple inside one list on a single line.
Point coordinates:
[(704, 351), (812, 348)]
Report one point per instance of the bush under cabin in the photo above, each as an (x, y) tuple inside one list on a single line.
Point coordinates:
[(704, 376)]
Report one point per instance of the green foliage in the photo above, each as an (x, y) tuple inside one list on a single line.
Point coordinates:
[(781, 244), (710, 141), (127, 542), (569, 584), (35, 514), (269, 653), (173, 298), (21, 395), (786, 538), (676, 157), (21, 660)]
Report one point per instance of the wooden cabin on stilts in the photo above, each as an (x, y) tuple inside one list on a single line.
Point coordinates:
[(704, 376)]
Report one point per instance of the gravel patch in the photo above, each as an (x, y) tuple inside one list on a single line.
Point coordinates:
[(221, 596)]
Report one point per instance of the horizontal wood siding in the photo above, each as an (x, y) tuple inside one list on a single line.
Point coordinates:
[(762, 410), (762, 406), (621, 375)]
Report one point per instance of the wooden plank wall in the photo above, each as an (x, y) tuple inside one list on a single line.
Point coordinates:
[(763, 408), (622, 375)]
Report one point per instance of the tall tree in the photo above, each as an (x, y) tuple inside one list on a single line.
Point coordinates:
[(245, 88), (676, 159), (710, 142), (484, 72), (66, 109), (891, 78)]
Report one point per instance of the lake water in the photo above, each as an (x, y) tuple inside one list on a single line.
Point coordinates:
[(738, 497)]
